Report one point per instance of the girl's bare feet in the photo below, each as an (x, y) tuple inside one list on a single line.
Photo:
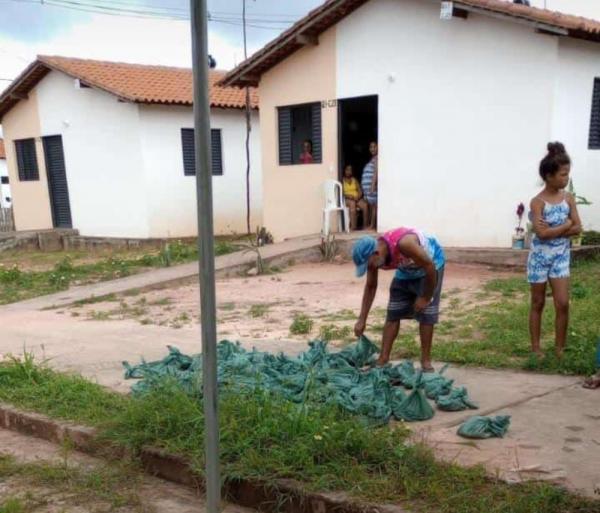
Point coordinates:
[(592, 382), (427, 367)]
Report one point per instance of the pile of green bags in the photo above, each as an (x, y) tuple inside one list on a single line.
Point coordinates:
[(316, 375)]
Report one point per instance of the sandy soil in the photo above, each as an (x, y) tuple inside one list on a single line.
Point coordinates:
[(265, 306)]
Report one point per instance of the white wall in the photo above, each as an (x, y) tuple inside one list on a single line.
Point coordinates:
[(4, 189), (464, 123), (579, 64), (171, 196), (101, 140)]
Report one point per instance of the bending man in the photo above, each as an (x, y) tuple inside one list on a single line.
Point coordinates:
[(418, 260)]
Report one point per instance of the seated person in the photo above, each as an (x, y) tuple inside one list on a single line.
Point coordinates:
[(353, 196), (306, 156)]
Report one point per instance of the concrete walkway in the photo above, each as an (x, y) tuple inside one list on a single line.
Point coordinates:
[(554, 433), (156, 495)]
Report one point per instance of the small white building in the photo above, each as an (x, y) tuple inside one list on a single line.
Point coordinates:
[(5, 197), (107, 148), (462, 96)]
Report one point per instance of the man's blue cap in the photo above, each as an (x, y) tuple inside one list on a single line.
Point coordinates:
[(362, 250)]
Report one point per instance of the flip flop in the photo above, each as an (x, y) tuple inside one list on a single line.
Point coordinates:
[(592, 383), (427, 369)]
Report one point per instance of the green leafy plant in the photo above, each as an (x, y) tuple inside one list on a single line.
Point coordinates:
[(579, 200), (329, 248), (301, 325)]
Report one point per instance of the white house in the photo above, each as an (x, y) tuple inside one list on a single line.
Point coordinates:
[(462, 96), (107, 148), (5, 197)]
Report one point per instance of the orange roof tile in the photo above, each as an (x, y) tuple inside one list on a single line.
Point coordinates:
[(331, 12), (2, 152), (137, 83)]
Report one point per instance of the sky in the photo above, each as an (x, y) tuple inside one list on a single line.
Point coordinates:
[(32, 27)]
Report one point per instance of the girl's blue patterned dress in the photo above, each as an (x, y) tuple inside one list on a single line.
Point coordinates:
[(550, 258)]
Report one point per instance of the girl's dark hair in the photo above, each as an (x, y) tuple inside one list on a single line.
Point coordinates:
[(556, 158)]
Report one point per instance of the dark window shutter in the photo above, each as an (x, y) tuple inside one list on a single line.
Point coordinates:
[(187, 147), (216, 151), (27, 160), (594, 140), (316, 132), (285, 135)]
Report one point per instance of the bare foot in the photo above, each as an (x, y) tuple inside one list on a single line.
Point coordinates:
[(427, 367)]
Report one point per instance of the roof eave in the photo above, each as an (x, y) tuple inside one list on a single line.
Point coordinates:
[(288, 42)]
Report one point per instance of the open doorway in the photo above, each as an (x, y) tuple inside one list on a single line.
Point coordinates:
[(357, 118)]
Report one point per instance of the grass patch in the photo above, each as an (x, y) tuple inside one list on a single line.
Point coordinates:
[(333, 332), (62, 396), (266, 437), (13, 505), (112, 484), (342, 315), (301, 325), (161, 302), (96, 299), (259, 310), (17, 284), (495, 334)]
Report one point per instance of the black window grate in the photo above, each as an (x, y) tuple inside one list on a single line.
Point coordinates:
[(285, 135), (27, 163), (189, 157), (296, 124), (594, 139)]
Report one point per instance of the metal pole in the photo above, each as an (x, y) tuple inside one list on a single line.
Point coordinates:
[(206, 260)]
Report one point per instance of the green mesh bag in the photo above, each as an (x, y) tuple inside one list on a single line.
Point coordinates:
[(484, 427), (456, 400), (415, 407)]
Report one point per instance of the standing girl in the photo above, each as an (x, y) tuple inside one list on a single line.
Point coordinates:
[(555, 219)]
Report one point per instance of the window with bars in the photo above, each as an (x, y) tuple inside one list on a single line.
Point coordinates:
[(27, 163), (189, 157), (594, 138), (300, 134)]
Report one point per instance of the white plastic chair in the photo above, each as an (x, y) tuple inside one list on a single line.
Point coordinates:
[(334, 202)]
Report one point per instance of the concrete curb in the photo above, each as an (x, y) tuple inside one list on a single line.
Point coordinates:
[(284, 496)]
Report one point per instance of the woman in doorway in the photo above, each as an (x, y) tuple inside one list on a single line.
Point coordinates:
[(369, 186), (354, 197)]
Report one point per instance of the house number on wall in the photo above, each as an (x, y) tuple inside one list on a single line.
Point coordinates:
[(328, 104)]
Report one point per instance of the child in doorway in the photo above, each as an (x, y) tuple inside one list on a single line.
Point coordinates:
[(555, 219), (354, 197)]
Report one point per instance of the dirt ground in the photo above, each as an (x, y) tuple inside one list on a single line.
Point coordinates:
[(94, 337), (265, 306)]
